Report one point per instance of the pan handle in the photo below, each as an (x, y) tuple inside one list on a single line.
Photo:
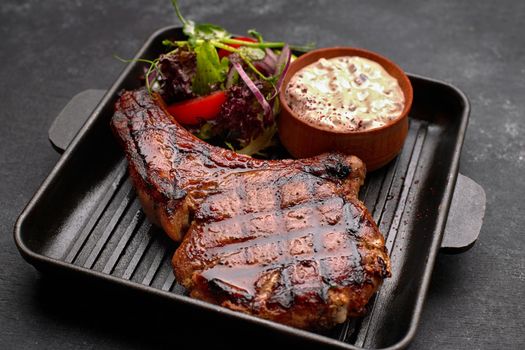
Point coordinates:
[(465, 216), (466, 211), (72, 117)]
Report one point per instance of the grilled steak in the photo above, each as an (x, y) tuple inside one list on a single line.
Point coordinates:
[(285, 240)]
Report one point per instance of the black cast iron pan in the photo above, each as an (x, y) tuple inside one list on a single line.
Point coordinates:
[(85, 220)]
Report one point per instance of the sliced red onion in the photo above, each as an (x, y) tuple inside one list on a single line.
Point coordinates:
[(258, 94), (263, 66), (284, 59), (284, 62), (268, 63), (271, 55)]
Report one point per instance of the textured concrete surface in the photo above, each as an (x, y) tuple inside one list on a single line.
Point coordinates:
[(51, 50)]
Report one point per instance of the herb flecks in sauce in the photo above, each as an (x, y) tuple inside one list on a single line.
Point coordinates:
[(347, 93)]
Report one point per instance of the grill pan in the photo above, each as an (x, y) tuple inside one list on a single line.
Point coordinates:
[(86, 220)]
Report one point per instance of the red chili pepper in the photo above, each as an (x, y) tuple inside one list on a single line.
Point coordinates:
[(191, 112), (223, 53)]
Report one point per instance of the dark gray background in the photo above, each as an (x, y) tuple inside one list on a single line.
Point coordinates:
[(51, 50)]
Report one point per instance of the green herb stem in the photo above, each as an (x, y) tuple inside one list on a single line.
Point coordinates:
[(125, 60), (261, 45), (177, 11), (225, 41), (256, 35), (180, 43), (152, 66), (220, 45)]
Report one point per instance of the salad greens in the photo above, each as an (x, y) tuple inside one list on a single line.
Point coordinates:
[(212, 35), (213, 65)]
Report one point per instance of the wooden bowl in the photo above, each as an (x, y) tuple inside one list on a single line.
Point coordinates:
[(376, 147)]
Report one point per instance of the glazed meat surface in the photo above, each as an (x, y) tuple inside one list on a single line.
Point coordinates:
[(284, 240)]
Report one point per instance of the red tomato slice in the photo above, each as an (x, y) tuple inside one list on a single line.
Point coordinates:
[(191, 112), (223, 53)]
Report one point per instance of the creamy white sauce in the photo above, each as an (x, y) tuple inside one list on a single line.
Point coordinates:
[(347, 93)]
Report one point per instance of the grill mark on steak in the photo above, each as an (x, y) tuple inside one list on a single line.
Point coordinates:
[(316, 252), (286, 240), (242, 238)]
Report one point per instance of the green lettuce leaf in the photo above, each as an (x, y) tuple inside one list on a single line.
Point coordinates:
[(210, 70)]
